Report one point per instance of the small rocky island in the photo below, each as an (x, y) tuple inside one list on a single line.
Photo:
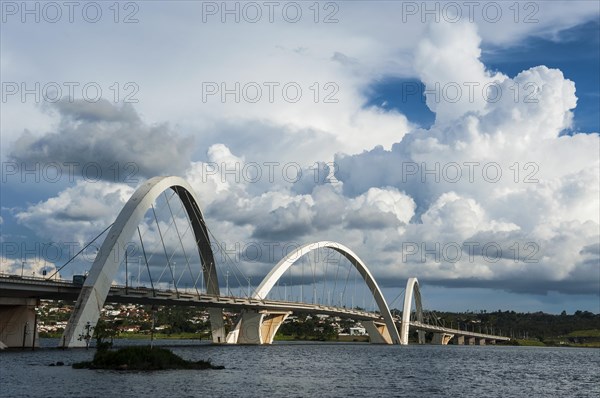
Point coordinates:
[(141, 358)]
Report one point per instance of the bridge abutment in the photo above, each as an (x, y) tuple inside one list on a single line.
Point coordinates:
[(18, 322)]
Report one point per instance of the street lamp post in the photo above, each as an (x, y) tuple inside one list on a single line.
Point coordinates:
[(174, 275), (139, 269), (44, 245), (126, 274), (202, 277)]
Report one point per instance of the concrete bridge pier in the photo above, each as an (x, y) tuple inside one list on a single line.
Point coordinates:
[(18, 323), (441, 338), (480, 341), (378, 332), (470, 340), (216, 325), (459, 340), (257, 327), (421, 336)]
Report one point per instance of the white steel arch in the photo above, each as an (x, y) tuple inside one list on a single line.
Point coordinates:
[(412, 288), (282, 266), (105, 266)]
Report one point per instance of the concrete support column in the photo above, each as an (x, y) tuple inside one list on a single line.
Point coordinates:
[(378, 332), (492, 342), (481, 341), (249, 330), (441, 338), (257, 327), (421, 336), (270, 324), (459, 340), (18, 323), (216, 325), (470, 340)]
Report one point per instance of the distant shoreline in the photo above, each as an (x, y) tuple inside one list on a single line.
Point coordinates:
[(340, 339)]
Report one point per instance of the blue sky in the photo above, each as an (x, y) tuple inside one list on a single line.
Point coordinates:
[(191, 94), (575, 51)]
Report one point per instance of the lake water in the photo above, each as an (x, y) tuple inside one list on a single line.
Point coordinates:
[(316, 370)]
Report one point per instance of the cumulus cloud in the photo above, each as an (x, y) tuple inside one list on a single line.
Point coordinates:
[(78, 213), (446, 59), (492, 172), (492, 195), (105, 135), (380, 208)]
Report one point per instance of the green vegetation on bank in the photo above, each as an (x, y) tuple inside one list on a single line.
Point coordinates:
[(585, 333), (579, 329), (524, 343), (308, 328)]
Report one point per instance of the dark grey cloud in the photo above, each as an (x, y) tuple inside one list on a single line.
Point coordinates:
[(524, 286), (288, 223), (108, 135), (228, 209), (101, 111), (371, 218)]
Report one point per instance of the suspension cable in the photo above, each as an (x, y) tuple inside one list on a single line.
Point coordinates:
[(165, 250), (206, 232), (337, 272), (402, 291), (80, 251), (146, 260), (346, 282), (182, 246)]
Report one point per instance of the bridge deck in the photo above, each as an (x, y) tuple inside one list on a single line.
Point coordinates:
[(456, 332), (64, 290), (29, 287)]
